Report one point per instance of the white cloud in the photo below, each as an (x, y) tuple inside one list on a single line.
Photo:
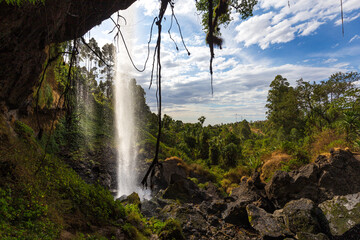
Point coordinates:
[(354, 38), (240, 83), (348, 19), (330, 60), (309, 27), (279, 23), (241, 76)]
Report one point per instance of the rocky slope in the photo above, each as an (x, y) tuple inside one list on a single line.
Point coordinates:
[(28, 29), (319, 201)]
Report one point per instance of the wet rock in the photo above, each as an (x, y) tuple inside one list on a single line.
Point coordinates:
[(265, 223), (301, 216), (132, 199), (342, 213), (337, 174), (150, 208)]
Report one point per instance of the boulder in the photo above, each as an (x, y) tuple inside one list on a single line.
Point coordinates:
[(342, 213), (246, 193), (265, 223), (131, 199), (183, 189), (190, 218), (215, 207), (337, 174), (301, 216), (167, 168), (150, 208)]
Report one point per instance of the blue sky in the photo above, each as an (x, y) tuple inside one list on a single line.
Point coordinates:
[(300, 41)]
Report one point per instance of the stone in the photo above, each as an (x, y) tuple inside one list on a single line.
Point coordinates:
[(236, 213), (22, 55), (342, 213), (132, 199), (184, 190), (190, 218), (163, 174), (265, 223), (329, 176), (150, 208), (301, 216), (241, 196), (311, 236)]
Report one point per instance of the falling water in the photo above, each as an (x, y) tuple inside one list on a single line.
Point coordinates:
[(127, 172)]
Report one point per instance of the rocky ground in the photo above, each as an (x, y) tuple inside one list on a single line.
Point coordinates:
[(319, 201)]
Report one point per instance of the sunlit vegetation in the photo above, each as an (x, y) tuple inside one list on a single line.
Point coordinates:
[(302, 122), (41, 196)]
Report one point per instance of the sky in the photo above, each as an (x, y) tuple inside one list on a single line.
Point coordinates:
[(295, 39)]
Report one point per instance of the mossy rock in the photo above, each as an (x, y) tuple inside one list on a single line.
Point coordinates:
[(171, 231), (133, 199), (301, 216), (342, 213)]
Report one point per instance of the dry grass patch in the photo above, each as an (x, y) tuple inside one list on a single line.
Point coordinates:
[(273, 163), (326, 140)]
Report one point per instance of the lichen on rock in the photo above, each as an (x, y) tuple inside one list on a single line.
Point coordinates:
[(342, 213)]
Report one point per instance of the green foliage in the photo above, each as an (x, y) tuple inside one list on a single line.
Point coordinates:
[(22, 2), (283, 111), (24, 216), (230, 155), (171, 230), (245, 9), (254, 162), (23, 130), (214, 154)]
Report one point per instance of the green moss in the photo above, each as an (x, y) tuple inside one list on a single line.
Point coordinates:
[(250, 218), (133, 232), (23, 130), (171, 230), (194, 180)]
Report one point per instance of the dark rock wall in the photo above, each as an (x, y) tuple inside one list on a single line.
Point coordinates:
[(25, 32)]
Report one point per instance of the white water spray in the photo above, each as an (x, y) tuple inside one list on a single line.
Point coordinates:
[(127, 172)]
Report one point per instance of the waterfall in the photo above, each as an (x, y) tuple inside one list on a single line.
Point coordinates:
[(127, 169), (126, 136)]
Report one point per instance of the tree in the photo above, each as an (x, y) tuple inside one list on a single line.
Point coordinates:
[(324, 103), (230, 155), (214, 151), (201, 120), (244, 7), (283, 110)]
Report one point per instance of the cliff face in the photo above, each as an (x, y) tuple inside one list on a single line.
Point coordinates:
[(25, 32)]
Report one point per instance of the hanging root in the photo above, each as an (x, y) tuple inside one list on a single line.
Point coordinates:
[(211, 39), (156, 58)]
